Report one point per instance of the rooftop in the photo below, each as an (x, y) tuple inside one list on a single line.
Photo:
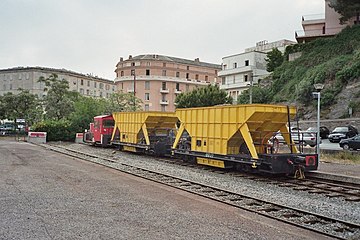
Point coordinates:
[(174, 59)]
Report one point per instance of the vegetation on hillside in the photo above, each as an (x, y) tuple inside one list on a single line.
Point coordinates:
[(334, 62)]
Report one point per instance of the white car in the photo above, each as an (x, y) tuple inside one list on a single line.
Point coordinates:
[(305, 138)]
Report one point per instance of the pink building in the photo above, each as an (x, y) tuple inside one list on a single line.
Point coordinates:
[(157, 79), (320, 25)]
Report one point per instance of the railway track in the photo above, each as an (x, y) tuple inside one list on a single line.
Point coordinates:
[(314, 222)]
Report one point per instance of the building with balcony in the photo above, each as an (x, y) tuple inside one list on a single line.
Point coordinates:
[(321, 25), (158, 79), (26, 78), (241, 71)]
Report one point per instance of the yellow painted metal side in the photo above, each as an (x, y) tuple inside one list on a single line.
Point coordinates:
[(129, 148), (135, 126), (210, 162), (221, 129)]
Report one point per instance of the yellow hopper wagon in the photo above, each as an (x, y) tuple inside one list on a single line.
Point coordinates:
[(146, 132), (241, 137)]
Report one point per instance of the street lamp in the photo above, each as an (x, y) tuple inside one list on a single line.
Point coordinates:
[(318, 87)]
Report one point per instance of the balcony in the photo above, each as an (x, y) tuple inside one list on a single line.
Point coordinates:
[(130, 90), (164, 90), (177, 91), (164, 102)]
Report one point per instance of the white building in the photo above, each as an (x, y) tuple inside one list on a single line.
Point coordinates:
[(240, 71)]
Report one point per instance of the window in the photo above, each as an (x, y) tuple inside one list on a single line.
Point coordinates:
[(223, 81), (164, 72), (101, 94), (122, 73), (178, 86), (147, 72), (94, 84), (107, 86), (177, 74), (147, 96), (133, 64), (164, 64), (163, 108), (163, 86), (101, 86), (88, 83), (246, 62), (122, 86), (10, 86), (146, 107), (113, 88), (187, 75), (20, 75), (187, 68), (87, 91), (234, 79), (163, 97), (107, 95), (147, 85), (187, 87), (216, 72), (197, 76), (81, 91), (235, 65), (206, 78), (81, 82), (147, 63), (245, 78), (133, 72)]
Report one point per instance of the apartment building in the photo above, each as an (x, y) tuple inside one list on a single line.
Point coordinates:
[(12, 79), (242, 71), (158, 79), (321, 25)]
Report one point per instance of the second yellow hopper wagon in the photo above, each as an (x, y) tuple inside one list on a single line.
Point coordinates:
[(149, 132), (238, 136)]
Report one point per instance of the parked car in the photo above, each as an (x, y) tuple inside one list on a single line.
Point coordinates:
[(350, 143), (342, 133), (305, 138), (324, 131)]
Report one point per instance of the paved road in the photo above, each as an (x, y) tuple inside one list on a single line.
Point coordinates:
[(44, 195), (325, 144)]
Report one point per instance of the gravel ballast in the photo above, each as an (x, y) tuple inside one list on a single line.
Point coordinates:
[(332, 207)]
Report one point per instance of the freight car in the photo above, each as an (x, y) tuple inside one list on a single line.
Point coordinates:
[(100, 131), (236, 136)]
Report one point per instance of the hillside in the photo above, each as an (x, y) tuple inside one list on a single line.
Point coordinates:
[(335, 62)]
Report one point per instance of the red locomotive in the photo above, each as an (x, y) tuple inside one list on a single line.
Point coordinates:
[(100, 131)]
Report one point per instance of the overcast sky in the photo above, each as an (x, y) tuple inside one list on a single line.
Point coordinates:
[(89, 36)]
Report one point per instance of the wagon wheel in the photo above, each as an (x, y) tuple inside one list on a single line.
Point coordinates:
[(244, 149)]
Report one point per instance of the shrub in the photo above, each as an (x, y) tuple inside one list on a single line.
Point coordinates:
[(56, 130)]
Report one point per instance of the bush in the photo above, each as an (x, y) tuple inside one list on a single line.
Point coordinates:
[(56, 130)]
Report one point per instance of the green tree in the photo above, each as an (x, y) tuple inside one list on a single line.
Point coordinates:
[(202, 97), (347, 9), (259, 95), (273, 59), (85, 109), (59, 101), (22, 105), (123, 102)]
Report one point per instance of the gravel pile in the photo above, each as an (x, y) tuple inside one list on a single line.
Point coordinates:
[(317, 203)]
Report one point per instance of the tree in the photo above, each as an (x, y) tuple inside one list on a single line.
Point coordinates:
[(23, 105), (85, 109), (259, 95), (347, 9), (123, 102), (273, 59), (59, 101), (202, 97)]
